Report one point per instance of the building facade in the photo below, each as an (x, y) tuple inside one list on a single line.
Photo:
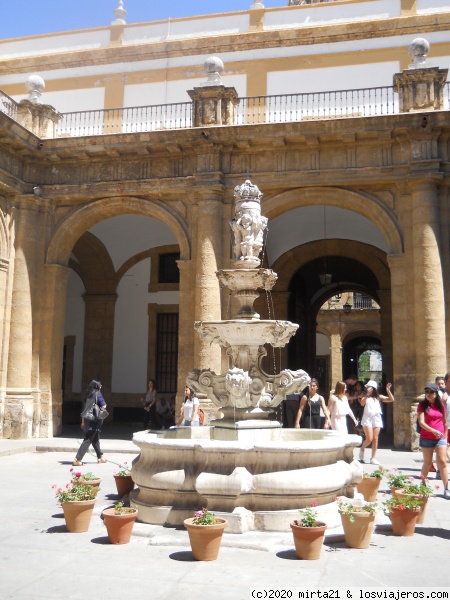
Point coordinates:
[(115, 204)]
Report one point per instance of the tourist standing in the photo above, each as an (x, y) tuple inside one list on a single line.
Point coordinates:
[(339, 408), (433, 433), (372, 420), (150, 404), (189, 409), (91, 426), (311, 407)]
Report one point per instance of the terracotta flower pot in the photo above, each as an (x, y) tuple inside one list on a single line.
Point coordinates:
[(78, 515), (95, 483), (124, 484), (308, 540), (119, 527), (368, 487), (358, 533), (403, 521), (205, 539), (423, 506), (394, 492)]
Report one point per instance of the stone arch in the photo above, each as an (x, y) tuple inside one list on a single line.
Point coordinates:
[(360, 202), (290, 262), (81, 219)]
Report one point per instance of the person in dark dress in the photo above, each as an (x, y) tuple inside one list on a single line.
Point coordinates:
[(311, 407)]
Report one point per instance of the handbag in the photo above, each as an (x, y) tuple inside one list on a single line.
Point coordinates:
[(99, 413)]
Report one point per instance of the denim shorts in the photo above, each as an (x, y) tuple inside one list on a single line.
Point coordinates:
[(426, 443)]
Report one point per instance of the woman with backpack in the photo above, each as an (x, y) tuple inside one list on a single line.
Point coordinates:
[(91, 426)]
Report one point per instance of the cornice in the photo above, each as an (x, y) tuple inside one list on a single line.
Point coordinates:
[(220, 44)]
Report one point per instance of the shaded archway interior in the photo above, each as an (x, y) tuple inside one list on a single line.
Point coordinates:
[(308, 294)]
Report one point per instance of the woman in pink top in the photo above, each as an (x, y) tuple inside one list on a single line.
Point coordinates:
[(433, 433)]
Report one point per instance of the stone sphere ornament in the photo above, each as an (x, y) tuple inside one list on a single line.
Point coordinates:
[(34, 86), (418, 50)]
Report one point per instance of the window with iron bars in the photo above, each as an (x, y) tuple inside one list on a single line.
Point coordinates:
[(168, 271), (167, 352)]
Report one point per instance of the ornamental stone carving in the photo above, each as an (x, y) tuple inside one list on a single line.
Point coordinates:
[(248, 226)]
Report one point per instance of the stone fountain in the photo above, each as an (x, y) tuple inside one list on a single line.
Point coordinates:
[(245, 465)]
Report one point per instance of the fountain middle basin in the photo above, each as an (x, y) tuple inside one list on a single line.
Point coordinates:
[(181, 470)]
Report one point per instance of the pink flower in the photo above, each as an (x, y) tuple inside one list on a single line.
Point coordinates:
[(411, 478), (77, 474), (198, 513), (71, 470), (67, 486), (53, 486), (336, 499), (314, 504), (436, 486), (400, 508)]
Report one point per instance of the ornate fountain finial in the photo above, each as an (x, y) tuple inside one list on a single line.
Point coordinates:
[(34, 84), (418, 50), (120, 14), (248, 225)]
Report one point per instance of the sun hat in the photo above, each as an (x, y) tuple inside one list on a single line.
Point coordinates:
[(372, 383)]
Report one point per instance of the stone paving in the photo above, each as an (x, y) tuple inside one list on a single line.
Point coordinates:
[(39, 559)]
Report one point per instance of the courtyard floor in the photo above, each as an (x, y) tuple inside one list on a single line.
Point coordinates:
[(39, 559)]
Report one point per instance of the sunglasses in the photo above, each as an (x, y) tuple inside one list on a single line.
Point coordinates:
[(429, 392)]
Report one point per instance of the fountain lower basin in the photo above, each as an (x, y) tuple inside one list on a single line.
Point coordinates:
[(253, 480)]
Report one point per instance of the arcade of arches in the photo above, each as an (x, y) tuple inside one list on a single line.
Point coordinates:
[(82, 291)]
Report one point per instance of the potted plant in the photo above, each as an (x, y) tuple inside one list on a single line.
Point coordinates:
[(370, 484), (403, 513), (77, 502), (119, 523), (205, 534), (88, 478), (420, 490), (358, 519), (124, 481), (396, 480), (308, 534)]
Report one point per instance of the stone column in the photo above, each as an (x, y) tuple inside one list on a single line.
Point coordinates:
[(52, 348), (19, 409), (429, 304), (403, 343), (280, 312), (207, 290), (186, 333), (98, 340), (386, 347), (335, 354)]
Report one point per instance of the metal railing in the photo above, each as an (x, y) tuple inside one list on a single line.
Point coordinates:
[(8, 106), (282, 108), (125, 120), (364, 102), (363, 302)]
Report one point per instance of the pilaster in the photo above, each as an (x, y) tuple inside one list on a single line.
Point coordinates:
[(98, 339)]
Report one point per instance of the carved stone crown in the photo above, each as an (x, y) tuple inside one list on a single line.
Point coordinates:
[(247, 196)]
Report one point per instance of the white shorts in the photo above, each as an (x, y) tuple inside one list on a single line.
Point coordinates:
[(373, 421)]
